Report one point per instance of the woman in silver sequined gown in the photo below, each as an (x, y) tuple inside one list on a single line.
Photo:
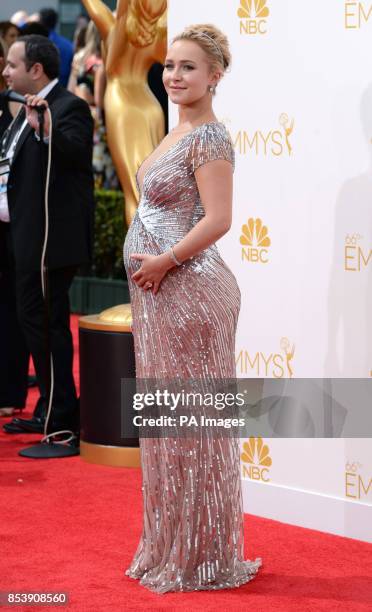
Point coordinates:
[(192, 536)]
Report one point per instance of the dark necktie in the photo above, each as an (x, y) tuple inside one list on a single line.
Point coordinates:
[(12, 131)]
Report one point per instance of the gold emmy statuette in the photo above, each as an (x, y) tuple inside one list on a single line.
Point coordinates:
[(288, 129), (133, 38)]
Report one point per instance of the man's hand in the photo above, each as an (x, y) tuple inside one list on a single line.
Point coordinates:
[(32, 113)]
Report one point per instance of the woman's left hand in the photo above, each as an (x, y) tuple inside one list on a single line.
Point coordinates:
[(152, 270)]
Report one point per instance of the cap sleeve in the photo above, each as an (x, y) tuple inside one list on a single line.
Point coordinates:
[(209, 143)]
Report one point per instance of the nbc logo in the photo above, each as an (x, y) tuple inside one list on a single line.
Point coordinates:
[(255, 241), (357, 14), (257, 455), (252, 15)]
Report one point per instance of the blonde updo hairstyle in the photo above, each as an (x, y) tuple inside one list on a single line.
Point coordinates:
[(213, 42)]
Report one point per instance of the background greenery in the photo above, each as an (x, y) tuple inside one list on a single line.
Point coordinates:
[(109, 234), (103, 284)]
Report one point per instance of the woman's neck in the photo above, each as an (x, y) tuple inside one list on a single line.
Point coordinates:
[(190, 117)]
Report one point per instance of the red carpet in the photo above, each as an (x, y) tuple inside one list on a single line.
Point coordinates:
[(70, 526)]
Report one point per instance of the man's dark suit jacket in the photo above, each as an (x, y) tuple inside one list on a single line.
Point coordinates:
[(71, 202)]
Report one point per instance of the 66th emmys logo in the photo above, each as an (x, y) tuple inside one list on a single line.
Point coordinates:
[(275, 141), (277, 364), (356, 256), (255, 241), (257, 455), (357, 486), (357, 14), (252, 14)]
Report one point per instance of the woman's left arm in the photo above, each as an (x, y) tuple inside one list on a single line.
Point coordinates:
[(215, 185)]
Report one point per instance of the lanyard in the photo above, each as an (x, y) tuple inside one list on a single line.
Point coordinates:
[(12, 134)]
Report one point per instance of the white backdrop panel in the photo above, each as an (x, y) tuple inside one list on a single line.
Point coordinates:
[(298, 105)]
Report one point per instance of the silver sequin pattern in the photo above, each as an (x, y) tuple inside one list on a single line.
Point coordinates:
[(192, 537)]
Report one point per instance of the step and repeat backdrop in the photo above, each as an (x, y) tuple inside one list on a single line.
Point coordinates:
[(298, 105)]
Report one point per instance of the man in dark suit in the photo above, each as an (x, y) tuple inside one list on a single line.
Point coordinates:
[(32, 70), (14, 356)]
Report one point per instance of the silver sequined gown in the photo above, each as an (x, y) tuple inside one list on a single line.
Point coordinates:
[(192, 536)]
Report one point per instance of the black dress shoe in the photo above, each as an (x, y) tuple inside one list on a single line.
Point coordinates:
[(33, 425), (13, 429)]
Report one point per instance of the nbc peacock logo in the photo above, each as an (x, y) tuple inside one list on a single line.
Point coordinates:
[(255, 241), (256, 454), (252, 15)]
